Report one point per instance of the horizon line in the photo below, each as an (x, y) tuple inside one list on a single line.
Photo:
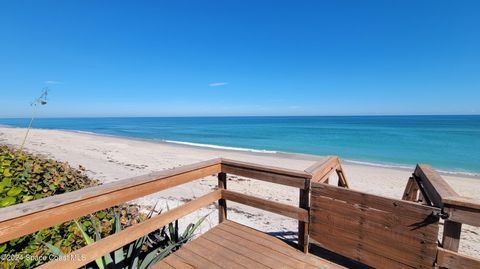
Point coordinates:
[(245, 116)]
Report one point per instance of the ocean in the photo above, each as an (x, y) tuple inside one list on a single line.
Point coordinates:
[(449, 143)]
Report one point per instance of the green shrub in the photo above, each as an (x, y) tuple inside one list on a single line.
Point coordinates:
[(25, 177)]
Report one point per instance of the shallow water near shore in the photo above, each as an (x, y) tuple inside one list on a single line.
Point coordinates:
[(449, 143)]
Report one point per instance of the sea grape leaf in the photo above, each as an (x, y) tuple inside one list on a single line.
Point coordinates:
[(7, 201), (6, 172), (14, 191), (27, 198)]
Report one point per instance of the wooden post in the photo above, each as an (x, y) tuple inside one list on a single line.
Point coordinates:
[(342, 179), (411, 190), (414, 191), (222, 203), (303, 233), (451, 235)]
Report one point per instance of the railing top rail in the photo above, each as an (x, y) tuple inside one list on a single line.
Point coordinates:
[(266, 168), (433, 185), (462, 201), (321, 164), (463, 210), (277, 175), (323, 168), (19, 210)]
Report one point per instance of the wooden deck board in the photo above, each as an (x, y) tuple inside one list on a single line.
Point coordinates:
[(267, 258), (257, 248), (174, 263), (277, 245), (163, 264), (232, 245)]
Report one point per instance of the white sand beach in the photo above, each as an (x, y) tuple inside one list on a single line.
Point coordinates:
[(111, 158)]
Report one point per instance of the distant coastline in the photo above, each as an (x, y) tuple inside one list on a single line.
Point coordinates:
[(253, 134), (355, 162), (279, 154)]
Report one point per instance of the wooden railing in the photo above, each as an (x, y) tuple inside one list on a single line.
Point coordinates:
[(322, 171), (376, 231), (424, 186), (428, 187), (26, 218), (23, 219)]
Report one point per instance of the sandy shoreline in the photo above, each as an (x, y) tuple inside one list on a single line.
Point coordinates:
[(109, 158)]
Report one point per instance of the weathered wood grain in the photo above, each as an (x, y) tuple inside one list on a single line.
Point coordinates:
[(451, 235), (269, 176), (411, 190), (275, 207), (450, 259), (231, 245), (435, 187), (466, 215), (265, 168), (462, 201), (322, 169), (246, 248), (275, 244), (463, 209), (402, 208), (377, 231), (342, 179), (303, 235)]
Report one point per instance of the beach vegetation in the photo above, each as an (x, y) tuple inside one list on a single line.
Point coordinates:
[(143, 252), (25, 177)]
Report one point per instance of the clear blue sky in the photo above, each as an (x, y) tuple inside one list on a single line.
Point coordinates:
[(180, 58)]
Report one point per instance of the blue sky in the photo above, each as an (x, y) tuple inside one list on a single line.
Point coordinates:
[(182, 58)]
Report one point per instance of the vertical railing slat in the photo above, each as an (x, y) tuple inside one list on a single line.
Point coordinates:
[(451, 235), (303, 229), (222, 203)]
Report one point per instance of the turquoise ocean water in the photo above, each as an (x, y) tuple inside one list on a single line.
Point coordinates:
[(449, 143)]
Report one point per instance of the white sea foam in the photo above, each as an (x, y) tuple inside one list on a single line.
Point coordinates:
[(98, 134), (82, 132), (398, 166), (219, 147), (380, 164)]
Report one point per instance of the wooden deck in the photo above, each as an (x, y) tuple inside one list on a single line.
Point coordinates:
[(232, 245), (365, 229)]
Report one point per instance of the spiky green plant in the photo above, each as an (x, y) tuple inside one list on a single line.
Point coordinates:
[(159, 244)]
